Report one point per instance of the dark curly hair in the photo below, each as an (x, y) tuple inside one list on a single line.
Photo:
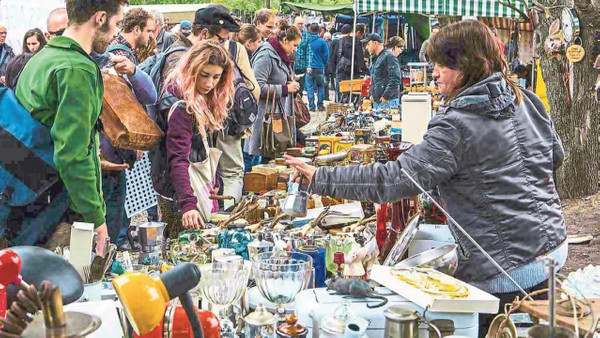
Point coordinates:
[(80, 11), (469, 47), (135, 17)]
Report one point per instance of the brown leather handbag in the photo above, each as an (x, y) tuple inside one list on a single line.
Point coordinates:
[(301, 112), (125, 123), (276, 133)]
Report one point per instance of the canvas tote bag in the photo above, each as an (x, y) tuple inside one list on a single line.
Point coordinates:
[(203, 176)]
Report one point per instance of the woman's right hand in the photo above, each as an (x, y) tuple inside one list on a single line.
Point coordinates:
[(293, 87), (192, 220), (301, 167)]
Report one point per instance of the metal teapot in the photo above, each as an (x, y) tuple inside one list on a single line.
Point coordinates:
[(295, 204)]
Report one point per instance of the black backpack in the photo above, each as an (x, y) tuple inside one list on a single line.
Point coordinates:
[(153, 66), (244, 111), (344, 65)]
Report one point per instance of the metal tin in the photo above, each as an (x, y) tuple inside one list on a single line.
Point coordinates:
[(401, 321), (343, 145), (362, 136)]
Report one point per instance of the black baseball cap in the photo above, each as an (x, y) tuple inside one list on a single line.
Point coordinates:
[(216, 15), (346, 29), (372, 37)]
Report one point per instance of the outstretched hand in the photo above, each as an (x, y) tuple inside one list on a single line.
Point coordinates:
[(106, 165), (306, 169)]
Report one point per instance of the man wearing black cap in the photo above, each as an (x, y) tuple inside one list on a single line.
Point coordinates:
[(385, 74), (341, 55), (215, 23)]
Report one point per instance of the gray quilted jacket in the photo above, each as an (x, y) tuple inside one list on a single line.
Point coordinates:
[(492, 162)]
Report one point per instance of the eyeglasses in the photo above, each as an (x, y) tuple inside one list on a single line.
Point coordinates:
[(221, 39), (57, 33)]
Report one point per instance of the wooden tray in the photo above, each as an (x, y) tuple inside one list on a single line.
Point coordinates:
[(539, 309), (478, 300)]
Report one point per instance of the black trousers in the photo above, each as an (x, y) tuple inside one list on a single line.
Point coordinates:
[(485, 320)]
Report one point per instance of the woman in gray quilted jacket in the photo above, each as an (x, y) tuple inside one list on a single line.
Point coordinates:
[(273, 69), (491, 151)]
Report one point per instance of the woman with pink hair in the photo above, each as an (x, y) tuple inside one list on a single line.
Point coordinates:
[(202, 83)]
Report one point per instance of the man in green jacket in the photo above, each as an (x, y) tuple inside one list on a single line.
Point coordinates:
[(62, 88)]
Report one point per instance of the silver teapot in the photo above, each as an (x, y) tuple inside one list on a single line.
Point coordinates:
[(295, 204)]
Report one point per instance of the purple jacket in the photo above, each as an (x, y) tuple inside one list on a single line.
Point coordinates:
[(182, 144)]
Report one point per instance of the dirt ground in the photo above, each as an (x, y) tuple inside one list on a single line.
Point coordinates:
[(582, 217)]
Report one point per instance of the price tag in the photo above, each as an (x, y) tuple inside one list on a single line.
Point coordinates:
[(575, 53)]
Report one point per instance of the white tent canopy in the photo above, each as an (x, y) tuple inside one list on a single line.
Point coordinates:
[(19, 16)]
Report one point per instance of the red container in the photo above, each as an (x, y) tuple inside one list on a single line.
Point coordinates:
[(176, 325), (366, 86), (382, 217), (2, 302)]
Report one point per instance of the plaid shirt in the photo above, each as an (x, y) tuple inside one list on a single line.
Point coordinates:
[(304, 52), (120, 40)]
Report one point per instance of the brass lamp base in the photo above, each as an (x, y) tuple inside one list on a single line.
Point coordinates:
[(77, 325)]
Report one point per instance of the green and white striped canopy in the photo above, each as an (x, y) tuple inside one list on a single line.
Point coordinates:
[(479, 8)]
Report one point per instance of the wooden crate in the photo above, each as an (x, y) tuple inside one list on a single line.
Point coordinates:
[(337, 108), (260, 181), (356, 85)]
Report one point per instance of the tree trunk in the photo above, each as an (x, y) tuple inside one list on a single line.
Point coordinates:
[(577, 121)]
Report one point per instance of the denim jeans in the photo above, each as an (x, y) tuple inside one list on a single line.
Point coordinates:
[(115, 190), (250, 161), (302, 81), (315, 82)]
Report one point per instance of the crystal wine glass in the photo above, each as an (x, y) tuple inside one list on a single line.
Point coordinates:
[(280, 276), (223, 287)]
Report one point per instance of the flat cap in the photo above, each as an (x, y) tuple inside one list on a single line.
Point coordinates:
[(216, 15)]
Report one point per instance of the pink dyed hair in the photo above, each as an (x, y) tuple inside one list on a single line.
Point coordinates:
[(210, 110)]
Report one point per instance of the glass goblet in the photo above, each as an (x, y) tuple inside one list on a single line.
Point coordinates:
[(280, 276), (223, 287)]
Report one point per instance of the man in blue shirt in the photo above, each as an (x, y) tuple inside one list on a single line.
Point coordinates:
[(303, 53), (316, 73)]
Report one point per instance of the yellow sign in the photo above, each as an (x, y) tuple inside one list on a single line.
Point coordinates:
[(575, 53)]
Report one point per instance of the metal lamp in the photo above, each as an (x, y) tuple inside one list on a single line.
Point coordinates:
[(144, 297)]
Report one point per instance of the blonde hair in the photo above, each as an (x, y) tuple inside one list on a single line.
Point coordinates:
[(210, 110), (247, 33)]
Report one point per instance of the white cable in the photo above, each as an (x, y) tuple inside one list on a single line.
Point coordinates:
[(466, 234)]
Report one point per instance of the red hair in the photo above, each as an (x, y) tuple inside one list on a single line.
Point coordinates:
[(210, 110)]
